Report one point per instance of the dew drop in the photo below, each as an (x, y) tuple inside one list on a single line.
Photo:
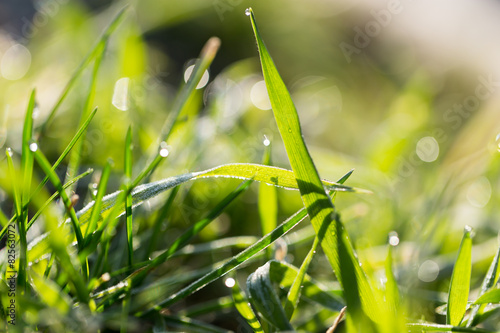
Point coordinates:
[(9, 152), (106, 277), (164, 152), (498, 141), (393, 238), (120, 94), (230, 282), (468, 228), (33, 146), (248, 11), (203, 81), (36, 112), (266, 141)]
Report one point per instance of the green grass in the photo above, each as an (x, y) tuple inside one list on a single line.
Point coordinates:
[(150, 235)]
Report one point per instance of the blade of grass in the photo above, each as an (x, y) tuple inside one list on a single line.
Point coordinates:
[(264, 298), (128, 201), (68, 148), (192, 325), (103, 40), (336, 245), (268, 204), (489, 281), (207, 55), (46, 167), (294, 293), (76, 152), (460, 281), (96, 209), (162, 215), (242, 304)]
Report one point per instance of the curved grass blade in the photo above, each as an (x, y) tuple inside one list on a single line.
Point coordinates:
[(336, 245), (489, 281), (265, 300), (242, 304), (96, 209), (85, 62), (460, 281)]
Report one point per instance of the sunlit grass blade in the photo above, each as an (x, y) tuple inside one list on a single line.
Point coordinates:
[(214, 305), (424, 327), (128, 200), (47, 168), (489, 281), (68, 148), (391, 286), (460, 281), (235, 261), (491, 296), (242, 304), (336, 245), (103, 40), (294, 293), (268, 203), (264, 298)]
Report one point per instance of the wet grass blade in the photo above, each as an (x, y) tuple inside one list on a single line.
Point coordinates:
[(336, 245), (264, 298), (268, 203), (96, 209), (103, 40), (242, 304), (460, 281), (128, 201), (489, 281)]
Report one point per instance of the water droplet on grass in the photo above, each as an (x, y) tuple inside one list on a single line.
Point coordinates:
[(120, 94), (164, 149), (9, 151), (393, 238), (33, 146), (203, 81), (230, 282), (266, 141), (248, 11)]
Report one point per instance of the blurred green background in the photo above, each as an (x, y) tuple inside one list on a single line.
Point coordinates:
[(406, 93)]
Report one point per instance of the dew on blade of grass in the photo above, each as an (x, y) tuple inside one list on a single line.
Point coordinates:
[(9, 152), (36, 111), (120, 94), (230, 282), (33, 146), (248, 11), (266, 141), (203, 81), (163, 149), (393, 238)]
